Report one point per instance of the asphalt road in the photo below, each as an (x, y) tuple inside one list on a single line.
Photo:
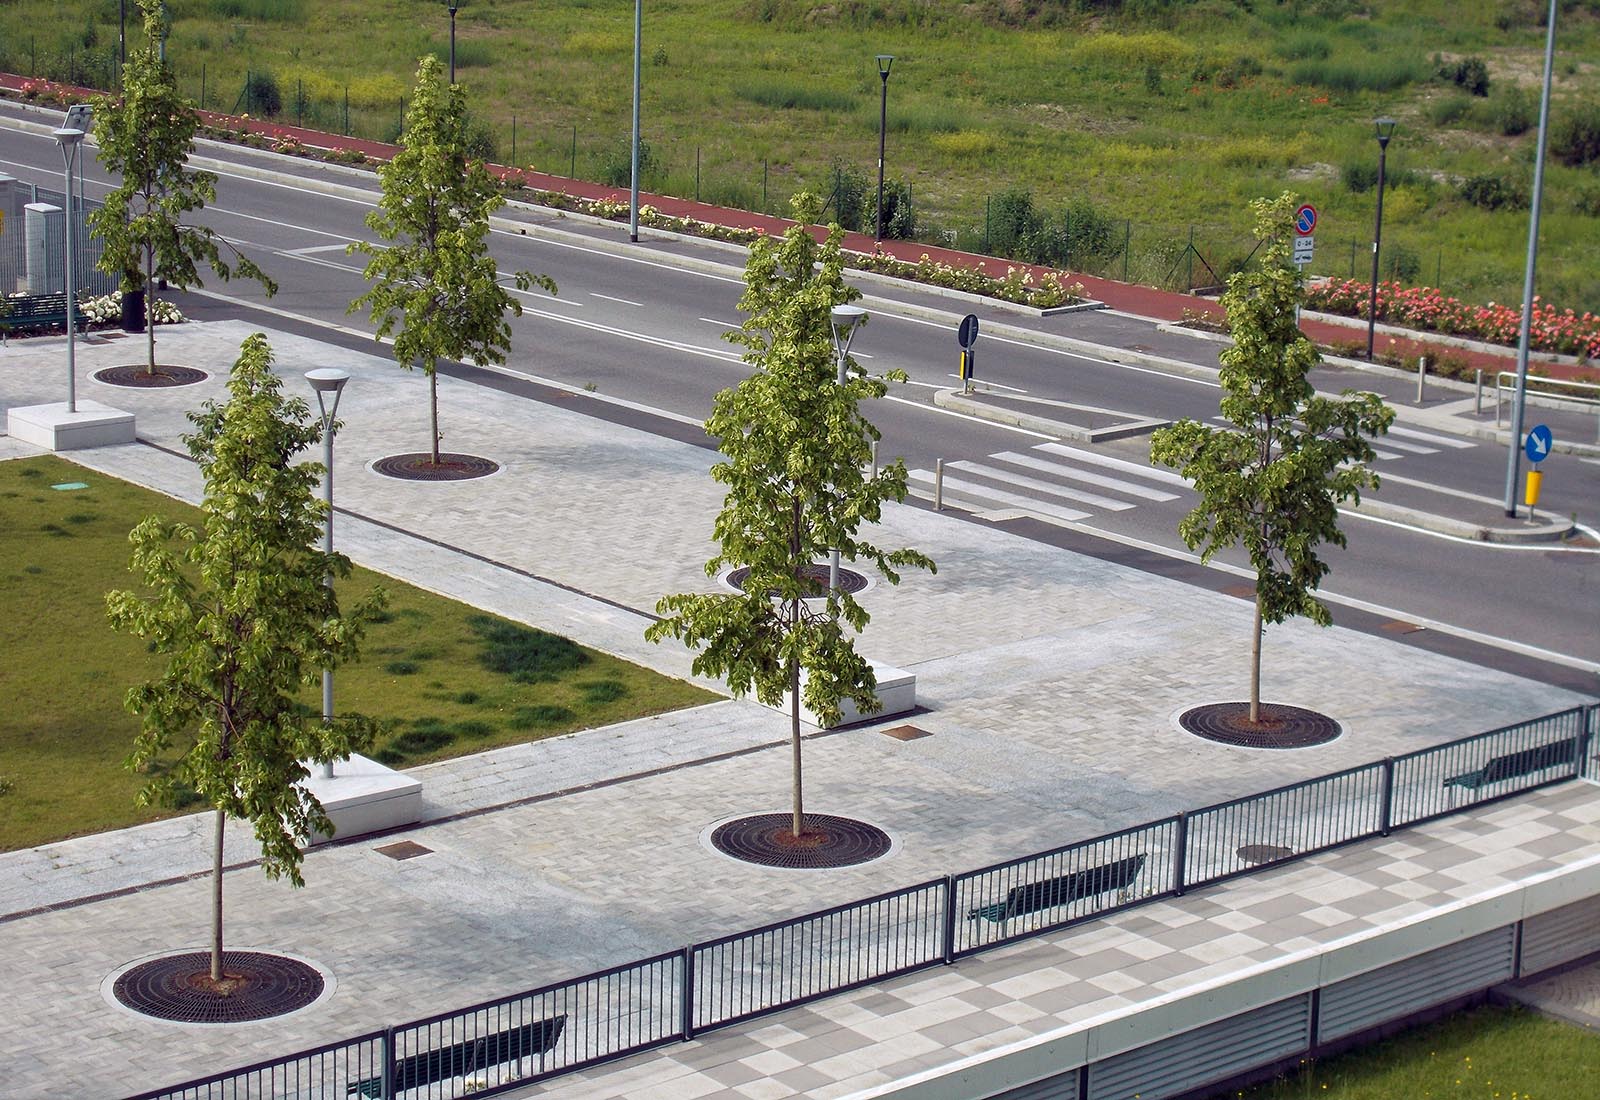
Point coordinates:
[(643, 327)]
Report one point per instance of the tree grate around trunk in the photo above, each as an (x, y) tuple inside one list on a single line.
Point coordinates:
[(826, 841), (421, 467), (815, 577), (255, 986), (1280, 727), (140, 378)]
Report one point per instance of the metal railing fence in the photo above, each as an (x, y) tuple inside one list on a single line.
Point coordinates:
[(570, 1025), (48, 275)]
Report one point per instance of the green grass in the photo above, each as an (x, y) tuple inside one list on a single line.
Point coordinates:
[(443, 678), (1486, 1053), (1162, 115)]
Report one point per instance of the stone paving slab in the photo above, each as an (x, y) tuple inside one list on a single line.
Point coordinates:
[(1049, 682)]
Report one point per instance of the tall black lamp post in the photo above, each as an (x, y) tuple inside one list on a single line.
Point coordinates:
[(454, 4), (1384, 129), (884, 61)]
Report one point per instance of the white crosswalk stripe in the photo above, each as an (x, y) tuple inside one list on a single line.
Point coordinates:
[(1044, 482), (1388, 448), (1430, 437)]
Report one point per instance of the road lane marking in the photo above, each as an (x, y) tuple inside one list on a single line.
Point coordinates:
[(609, 298)]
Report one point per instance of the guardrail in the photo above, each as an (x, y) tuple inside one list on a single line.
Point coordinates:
[(1579, 393), (556, 1029)]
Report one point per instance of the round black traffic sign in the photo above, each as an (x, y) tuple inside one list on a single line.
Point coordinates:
[(967, 334)]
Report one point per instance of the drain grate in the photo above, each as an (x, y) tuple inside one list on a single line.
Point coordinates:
[(421, 467), (403, 849), (140, 377), (825, 841), (1280, 727), (815, 576), (906, 733), (255, 986)]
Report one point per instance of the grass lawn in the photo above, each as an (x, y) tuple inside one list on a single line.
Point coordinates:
[(1155, 116), (1487, 1053), (445, 679)]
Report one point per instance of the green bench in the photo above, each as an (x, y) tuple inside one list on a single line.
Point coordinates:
[(468, 1056), (1052, 892), (1514, 765), (34, 311)]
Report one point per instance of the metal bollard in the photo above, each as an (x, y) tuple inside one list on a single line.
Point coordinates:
[(874, 460), (938, 485), (1422, 377), (1477, 402)]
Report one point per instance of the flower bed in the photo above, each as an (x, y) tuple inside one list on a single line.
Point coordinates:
[(1564, 332)]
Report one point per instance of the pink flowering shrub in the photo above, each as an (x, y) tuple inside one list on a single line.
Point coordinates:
[(1564, 332)]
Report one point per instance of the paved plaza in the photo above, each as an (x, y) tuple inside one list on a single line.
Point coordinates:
[(1049, 682)]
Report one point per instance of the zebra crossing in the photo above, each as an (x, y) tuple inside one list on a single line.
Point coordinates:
[(1051, 481), (1060, 483)]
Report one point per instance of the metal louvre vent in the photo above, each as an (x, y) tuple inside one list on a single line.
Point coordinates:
[(1171, 1067), (1063, 1086), (1561, 935), (1417, 983)]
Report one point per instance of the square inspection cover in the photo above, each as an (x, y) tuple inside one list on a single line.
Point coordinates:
[(404, 849), (906, 733)]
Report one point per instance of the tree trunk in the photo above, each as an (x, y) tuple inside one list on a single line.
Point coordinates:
[(150, 309), (216, 901), (794, 741), (1255, 665), (433, 413)]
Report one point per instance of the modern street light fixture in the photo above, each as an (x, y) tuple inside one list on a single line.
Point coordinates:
[(633, 152), (845, 319), (1519, 397), (453, 6), (1384, 130), (884, 62), (325, 381), (70, 140)]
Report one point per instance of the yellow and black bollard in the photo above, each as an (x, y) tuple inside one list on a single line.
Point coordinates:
[(1530, 492)]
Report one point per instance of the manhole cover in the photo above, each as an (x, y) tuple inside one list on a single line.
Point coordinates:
[(403, 849), (826, 841), (1280, 727), (906, 733), (255, 986), (421, 467), (140, 377), (816, 577), (1264, 853)]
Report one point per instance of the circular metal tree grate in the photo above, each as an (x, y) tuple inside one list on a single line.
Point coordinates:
[(421, 467), (816, 577), (1280, 727), (141, 378), (826, 841), (255, 986)]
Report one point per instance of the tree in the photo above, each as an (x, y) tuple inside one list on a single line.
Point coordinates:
[(241, 610), (438, 284), (145, 136), (1274, 480), (794, 445)]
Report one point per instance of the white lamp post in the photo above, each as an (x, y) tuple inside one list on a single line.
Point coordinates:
[(846, 319), (327, 381), (633, 153), (69, 140)]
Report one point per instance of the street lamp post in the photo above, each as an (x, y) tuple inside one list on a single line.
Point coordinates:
[(70, 140), (633, 152), (846, 319), (453, 6), (327, 381), (884, 62), (1384, 130)]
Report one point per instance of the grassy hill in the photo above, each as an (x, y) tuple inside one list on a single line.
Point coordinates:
[(1095, 132)]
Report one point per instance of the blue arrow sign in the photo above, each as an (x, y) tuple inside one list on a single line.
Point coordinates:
[(1537, 445)]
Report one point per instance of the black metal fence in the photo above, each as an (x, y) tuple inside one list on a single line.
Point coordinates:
[(555, 1029)]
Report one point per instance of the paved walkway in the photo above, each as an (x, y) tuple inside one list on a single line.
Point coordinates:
[(1050, 683)]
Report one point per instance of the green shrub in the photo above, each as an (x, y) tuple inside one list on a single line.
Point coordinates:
[(1448, 109), (616, 165), (1575, 133), (1491, 192), (899, 215), (525, 654), (1586, 199), (848, 196), (1469, 74), (1013, 221), (261, 94), (1513, 111)]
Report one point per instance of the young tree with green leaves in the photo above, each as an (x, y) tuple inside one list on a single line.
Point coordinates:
[(795, 445), (437, 282), (1274, 480), (241, 610), (145, 136)]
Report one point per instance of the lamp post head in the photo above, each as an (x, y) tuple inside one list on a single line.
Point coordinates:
[(326, 380), (846, 318), (1383, 128), (454, 5), (884, 61), (67, 136)]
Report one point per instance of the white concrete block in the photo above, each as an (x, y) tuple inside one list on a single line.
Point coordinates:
[(55, 429), (897, 691), (364, 797)]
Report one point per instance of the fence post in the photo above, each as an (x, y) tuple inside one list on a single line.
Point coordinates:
[(686, 1018), (1180, 853), (1127, 246), (387, 1081), (949, 919), (1386, 825)]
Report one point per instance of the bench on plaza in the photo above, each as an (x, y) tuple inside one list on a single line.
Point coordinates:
[(1514, 765), (1051, 892), (468, 1056), (34, 311)]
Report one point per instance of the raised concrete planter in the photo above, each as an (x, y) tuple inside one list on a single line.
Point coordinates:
[(897, 691), (364, 797), (55, 429)]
